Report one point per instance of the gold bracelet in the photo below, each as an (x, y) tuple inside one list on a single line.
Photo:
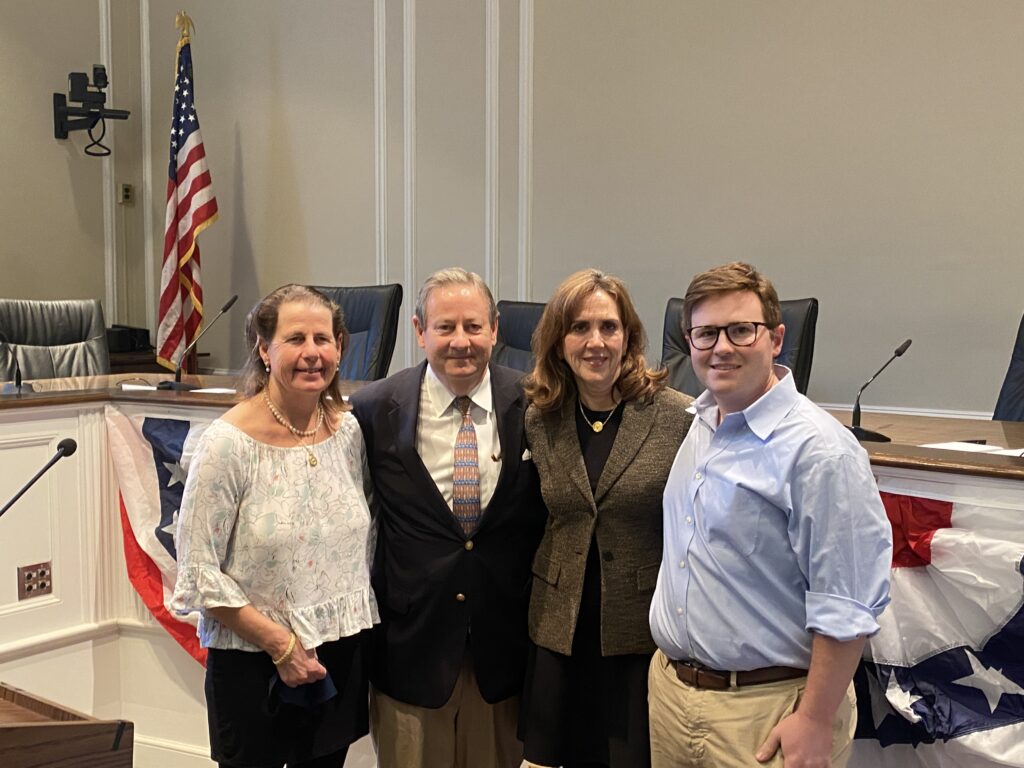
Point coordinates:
[(287, 652)]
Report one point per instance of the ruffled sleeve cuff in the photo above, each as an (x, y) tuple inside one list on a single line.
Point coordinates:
[(342, 616), (841, 618), (202, 586)]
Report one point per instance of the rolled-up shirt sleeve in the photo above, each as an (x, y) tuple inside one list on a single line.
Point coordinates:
[(843, 543), (206, 522)]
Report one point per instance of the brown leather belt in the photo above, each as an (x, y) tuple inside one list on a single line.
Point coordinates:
[(696, 674)]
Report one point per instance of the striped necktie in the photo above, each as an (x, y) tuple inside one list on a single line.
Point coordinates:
[(466, 479)]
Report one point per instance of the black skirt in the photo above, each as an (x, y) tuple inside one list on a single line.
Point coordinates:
[(249, 725), (586, 709)]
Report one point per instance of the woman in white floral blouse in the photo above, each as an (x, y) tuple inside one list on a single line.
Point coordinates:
[(274, 544)]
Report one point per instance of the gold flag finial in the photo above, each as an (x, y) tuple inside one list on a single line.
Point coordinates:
[(185, 24)]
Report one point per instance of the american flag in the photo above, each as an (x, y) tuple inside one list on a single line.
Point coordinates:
[(191, 208)]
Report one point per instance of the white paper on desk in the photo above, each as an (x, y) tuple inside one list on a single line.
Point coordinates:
[(969, 447), (213, 391), (1018, 452), (137, 387)]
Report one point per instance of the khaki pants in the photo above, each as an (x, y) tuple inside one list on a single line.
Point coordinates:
[(696, 727), (466, 732)]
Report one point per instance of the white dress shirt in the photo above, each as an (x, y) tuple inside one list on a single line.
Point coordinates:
[(439, 424)]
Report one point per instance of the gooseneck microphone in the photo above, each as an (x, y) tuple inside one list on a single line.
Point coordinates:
[(65, 447), (17, 387), (176, 384), (866, 434)]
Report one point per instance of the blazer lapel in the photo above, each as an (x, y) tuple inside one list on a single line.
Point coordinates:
[(565, 447), (404, 413), (508, 411), (637, 420)]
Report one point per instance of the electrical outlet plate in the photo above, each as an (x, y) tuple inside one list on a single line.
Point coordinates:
[(35, 580)]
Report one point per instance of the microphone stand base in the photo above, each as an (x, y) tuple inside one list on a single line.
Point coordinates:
[(177, 386), (10, 388), (869, 436)]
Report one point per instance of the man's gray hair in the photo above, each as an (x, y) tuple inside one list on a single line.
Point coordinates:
[(454, 276)]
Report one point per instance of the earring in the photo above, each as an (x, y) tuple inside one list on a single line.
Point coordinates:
[(267, 366)]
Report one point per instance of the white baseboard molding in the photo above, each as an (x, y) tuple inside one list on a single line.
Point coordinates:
[(153, 752), (905, 411)]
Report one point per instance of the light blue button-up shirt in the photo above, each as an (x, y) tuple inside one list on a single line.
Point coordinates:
[(773, 529)]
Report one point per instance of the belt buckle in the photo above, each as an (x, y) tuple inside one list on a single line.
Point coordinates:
[(685, 671)]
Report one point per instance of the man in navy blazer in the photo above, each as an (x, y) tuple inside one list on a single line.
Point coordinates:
[(453, 591)]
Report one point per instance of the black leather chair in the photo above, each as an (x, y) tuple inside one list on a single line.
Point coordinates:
[(371, 316), (52, 339), (516, 322), (800, 316), (1010, 406)]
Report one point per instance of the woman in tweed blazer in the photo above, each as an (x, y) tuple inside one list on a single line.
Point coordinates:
[(603, 431)]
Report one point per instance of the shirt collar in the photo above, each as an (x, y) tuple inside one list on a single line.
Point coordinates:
[(441, 398), (764, 414)]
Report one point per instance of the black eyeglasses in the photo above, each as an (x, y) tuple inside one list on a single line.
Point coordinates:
[(704, 337)]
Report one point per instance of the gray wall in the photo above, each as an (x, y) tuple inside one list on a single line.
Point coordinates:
[(865, 153), (51, 205)]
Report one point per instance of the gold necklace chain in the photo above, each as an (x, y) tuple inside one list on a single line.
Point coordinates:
[(298, 434), (598, 424)]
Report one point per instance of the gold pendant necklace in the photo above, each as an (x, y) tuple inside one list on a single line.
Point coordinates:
[(598, 424), (310, 456), (298, 434)]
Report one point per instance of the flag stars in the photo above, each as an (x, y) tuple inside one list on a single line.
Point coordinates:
[(171, 529), (990, 681), (178, 474)]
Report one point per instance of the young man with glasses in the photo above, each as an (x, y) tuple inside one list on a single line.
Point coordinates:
[(776, 558)]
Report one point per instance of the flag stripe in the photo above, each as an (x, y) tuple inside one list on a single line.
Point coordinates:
[(145, 576)]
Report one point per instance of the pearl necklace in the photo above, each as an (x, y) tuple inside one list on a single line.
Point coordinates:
[(298, 433), (598, 424)]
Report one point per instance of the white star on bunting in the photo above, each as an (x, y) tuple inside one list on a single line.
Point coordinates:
[(990, 681), (178, 474), (172, 528)]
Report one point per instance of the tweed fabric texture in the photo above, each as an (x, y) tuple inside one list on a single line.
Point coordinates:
[(624, 516)]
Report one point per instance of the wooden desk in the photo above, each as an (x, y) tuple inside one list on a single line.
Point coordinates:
[(909, 432)]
